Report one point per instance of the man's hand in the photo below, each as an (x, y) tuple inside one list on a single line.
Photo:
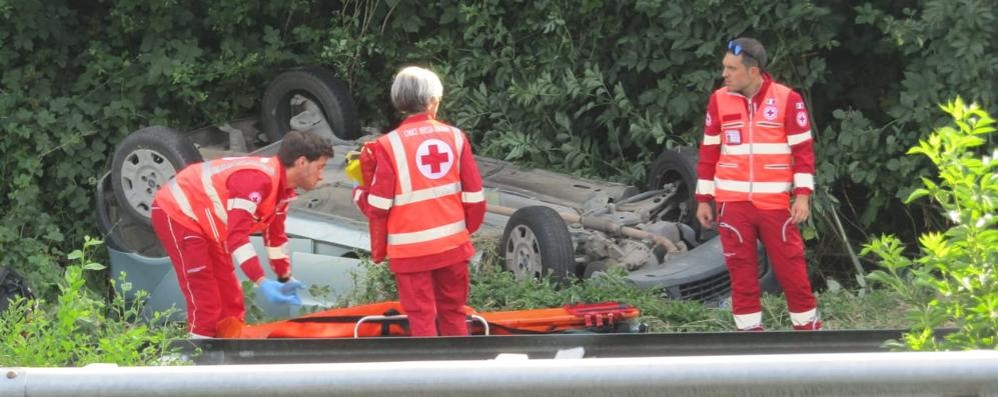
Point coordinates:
[(800, 209), (359, 193), (271, 290), (705, 214), (292, 286)]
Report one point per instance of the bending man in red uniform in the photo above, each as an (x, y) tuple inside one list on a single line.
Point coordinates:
[(427, 192), (757, 146), (205, 215)]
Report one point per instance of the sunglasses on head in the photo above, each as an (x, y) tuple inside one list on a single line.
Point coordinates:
[(737, 49)]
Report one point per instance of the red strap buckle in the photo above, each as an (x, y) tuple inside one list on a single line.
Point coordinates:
[(600, 314)]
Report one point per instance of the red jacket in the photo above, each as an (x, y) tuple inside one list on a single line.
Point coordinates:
[(376, 202), (246, 199), (790, 116)]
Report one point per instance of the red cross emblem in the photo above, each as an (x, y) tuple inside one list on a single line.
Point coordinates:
[(770, 113), (802, 119), (434, 158)]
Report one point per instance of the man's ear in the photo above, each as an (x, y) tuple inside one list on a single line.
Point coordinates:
[(300, 161), (433, 105)]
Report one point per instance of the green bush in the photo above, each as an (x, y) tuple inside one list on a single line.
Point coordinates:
[(81, 328), (953, 282), (896, 61), (78, 76), (594, 88)]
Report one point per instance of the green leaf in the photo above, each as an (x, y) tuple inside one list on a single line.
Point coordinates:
[(918, 193), (76, 254)]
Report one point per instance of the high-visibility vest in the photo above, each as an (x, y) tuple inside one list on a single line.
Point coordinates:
[(427, 215), (199, 199), (756, 161)]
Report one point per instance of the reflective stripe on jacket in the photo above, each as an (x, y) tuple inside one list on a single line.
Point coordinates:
[(198, 197), (756, 161), (427, 214)]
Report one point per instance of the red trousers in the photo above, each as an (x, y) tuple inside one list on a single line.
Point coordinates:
[(205, 273), (740, 224), (434, 300)]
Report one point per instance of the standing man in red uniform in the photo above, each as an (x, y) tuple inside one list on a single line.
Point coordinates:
[(205, 215), (757, 150), (427, 193)]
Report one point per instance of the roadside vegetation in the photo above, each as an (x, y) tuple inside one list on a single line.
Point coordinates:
[(492, 289), (952, 281), (83, 326)]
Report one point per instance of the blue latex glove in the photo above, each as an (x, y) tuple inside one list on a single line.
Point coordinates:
[(271, 290), (292, 286)]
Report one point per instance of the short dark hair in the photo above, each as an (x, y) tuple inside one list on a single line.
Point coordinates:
[(752, 52), (300, 143)]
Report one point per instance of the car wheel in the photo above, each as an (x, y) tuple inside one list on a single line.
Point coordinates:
[(314, 96), (677, 167), (145, 160), (104, 223), (535, 242)]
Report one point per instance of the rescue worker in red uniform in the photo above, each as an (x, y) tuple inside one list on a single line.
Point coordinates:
[(204, 218), (427, 194), (757, 150)]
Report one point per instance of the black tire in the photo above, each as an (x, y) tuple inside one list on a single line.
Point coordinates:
[(677, 166), (104, 222), (145, 160), (318, 85), (12, 286), (536, 242)]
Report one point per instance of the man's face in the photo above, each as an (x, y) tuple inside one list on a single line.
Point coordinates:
[(736, 75), (311, 173)]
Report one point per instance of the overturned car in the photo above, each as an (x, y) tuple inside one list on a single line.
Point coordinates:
[(543, 222)]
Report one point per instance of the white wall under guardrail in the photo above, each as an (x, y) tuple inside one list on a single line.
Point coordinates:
[(969, 373)]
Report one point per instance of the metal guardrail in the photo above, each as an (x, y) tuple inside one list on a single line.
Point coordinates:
[(275, 351), (970, 373)]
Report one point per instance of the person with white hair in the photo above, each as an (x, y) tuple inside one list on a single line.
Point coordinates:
[(424, 201)]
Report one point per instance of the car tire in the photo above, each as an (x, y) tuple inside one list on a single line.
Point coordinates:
[(145, 160), (318, 85), (672, 166), (104, 223), (536, 242)]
